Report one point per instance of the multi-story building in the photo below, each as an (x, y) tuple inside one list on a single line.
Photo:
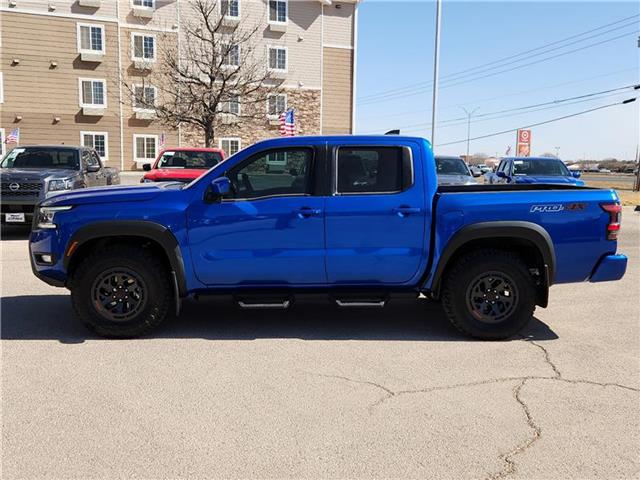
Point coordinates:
[(64, 62)]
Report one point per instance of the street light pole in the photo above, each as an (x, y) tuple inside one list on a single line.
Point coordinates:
[(557, 152), (436, 73), (469, 115)]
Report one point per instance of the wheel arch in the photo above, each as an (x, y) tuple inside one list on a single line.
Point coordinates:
[(127, 231), (528, 239)]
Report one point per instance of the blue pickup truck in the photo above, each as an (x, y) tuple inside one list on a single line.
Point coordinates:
[(357, 219), (533, 170)]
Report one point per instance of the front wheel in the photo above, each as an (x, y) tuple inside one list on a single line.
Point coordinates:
[(489, 294), (121, 291)]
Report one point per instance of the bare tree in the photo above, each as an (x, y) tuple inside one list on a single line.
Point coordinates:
[(216, 71)]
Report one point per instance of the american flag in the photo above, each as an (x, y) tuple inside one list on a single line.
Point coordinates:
[(163, 140), (13, 137), (287, 123), (508, 151)]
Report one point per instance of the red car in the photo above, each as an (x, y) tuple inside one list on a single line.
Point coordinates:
[(182, 164)]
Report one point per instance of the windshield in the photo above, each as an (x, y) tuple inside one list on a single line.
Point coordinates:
[(189, 159), (537, 166), (41, 157), (451, 166)]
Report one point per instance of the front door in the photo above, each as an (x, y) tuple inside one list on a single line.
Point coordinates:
[(270, 232), (375, 219)]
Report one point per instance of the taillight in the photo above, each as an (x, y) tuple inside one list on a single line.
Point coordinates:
[(615, 215)]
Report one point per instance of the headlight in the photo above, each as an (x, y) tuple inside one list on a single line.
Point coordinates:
[(56, 185), (45, 216)]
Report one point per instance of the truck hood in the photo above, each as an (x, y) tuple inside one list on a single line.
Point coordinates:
[(548, 179), (124, 193), (34, 174), (456, 180), (164, 174)]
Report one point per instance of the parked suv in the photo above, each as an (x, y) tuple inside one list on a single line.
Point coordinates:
[(29, 174)]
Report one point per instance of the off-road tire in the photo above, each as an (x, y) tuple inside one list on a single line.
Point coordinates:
[(144, 265), (458, 283)]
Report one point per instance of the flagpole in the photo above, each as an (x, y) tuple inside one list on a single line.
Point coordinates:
[(436, 68)]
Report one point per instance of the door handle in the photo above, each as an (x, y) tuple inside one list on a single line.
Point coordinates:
[(404, 211), (306, 212)]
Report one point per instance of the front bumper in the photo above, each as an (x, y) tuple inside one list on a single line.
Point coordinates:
[(47, 242), (609, 268)]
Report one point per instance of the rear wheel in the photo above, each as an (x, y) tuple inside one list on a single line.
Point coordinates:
[(121, 291), (489, 294)]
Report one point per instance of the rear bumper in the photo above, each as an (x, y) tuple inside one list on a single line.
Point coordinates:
[(610, 267)]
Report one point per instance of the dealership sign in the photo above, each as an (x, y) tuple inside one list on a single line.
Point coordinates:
[(523, 148)]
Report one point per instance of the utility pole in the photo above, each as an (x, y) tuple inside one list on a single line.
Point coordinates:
[(636, 187), (436, 73), (557, 152), (469, 115)]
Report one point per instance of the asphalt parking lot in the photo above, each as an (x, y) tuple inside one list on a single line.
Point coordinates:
[(317, 392)]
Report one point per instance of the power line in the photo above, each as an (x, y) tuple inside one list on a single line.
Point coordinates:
[(531, 108), (517, 67), (419, 88), (509, 115), (521, 92), (473, 69), (629, 100)]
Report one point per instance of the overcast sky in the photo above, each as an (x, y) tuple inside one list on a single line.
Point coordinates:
[(395, 69)]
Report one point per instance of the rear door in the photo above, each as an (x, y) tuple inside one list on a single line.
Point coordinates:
[(375, 216)]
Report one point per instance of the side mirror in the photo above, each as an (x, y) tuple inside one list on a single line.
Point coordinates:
[(93, 168), (218, 188), (576, 174), (501, 174), (146, 167)]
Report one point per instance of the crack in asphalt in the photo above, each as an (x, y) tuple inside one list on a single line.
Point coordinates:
[(510, 464), (507, 458)]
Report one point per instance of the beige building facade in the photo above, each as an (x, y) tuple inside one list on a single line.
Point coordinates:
[(63, 63)]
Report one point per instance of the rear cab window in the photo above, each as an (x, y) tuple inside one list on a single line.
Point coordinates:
[(372, 170)]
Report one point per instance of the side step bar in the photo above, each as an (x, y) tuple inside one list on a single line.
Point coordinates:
[(263, 303), (361, 302)]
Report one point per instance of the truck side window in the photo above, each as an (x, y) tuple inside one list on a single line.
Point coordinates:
[(372, 170), (276, 172)]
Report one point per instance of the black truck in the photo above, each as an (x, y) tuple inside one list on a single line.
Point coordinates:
[(29, 174)]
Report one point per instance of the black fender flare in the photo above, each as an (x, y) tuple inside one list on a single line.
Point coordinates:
[(133, 228), (520, 230)]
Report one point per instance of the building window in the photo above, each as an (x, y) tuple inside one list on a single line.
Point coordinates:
[(144, 47), (230, 145), (144, 3), (232, 106), (90, 38), (145, 147), (99, 141), (276, 104), (278, 58), (278, 11), (93, 92), (231, 55), (144, 97), (230, 8)]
